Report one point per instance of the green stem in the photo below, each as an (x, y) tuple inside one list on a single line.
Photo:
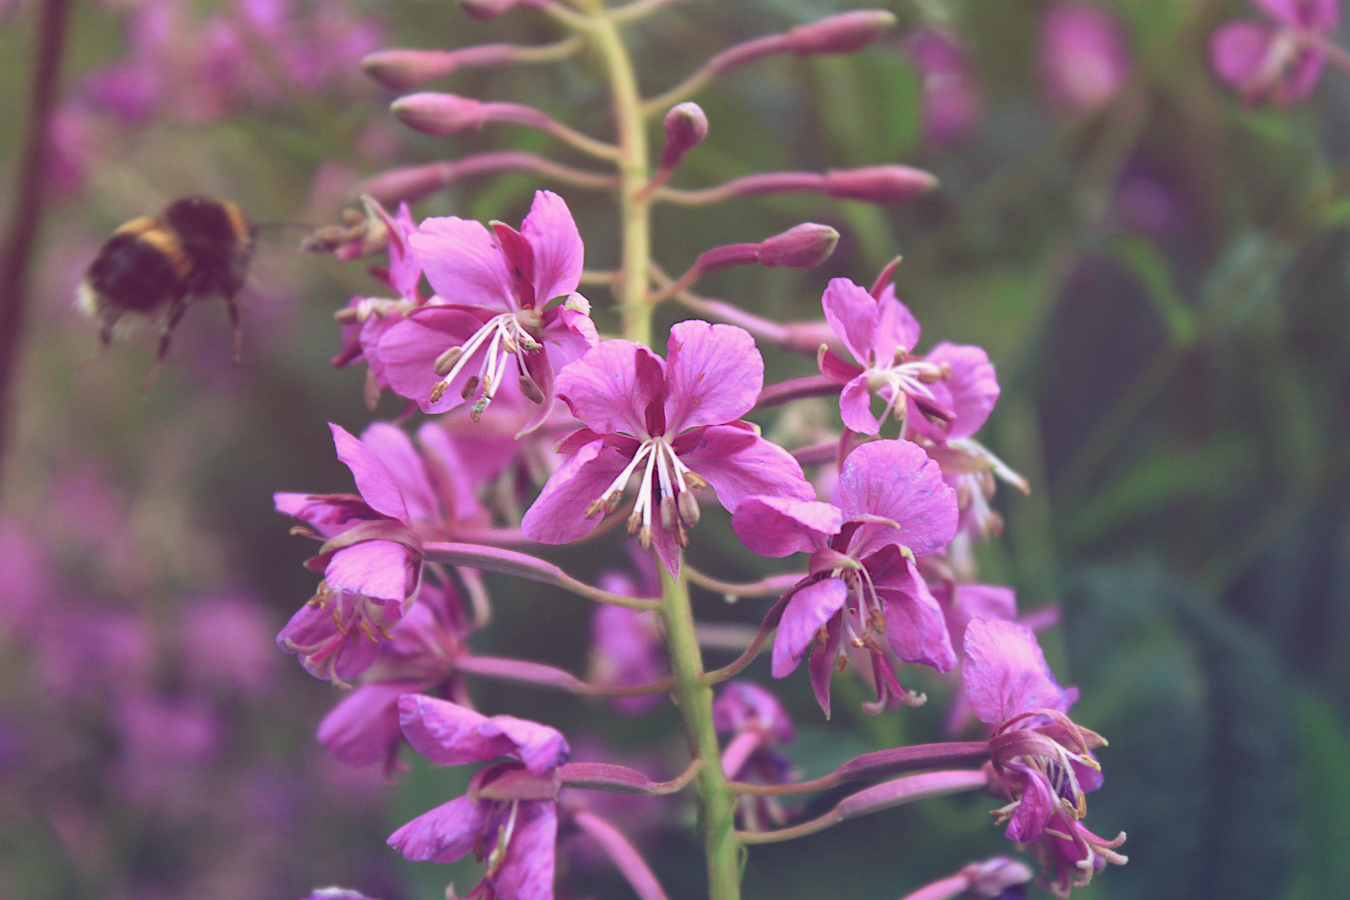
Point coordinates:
[(634, 171), (717, 805)]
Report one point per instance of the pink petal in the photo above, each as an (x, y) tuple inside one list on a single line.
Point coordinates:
[(896, 480), (988, 601), (1004, 672), (393, 448), (558, 514), (915, 627), (1322, 15), (409, 351), (443, 835), (1238, 50), (713, 374), (447, 733), (897, 329), (451, 477), (539, 747), (609, 389), (363, 729), (1033, 813), (667, 548), (527, 871), (821, 666), (805, 614), (558, 251), (382, 569), (855, 407), (973, 387), (1300, 79), (740, 464), (781, 526), (836, 368), (377, 485), (463, 263), (854, 315)]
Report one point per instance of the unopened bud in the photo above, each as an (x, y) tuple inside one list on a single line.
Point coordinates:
[(404, 68), (727, 255), (446, 361), (804, 246), (686, 126), (843, 33), (434, 113), (879, 184)]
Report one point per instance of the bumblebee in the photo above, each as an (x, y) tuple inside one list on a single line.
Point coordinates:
[(153, 267)]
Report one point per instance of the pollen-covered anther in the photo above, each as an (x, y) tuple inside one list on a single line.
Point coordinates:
[(530, 389), (470, 387), (670, 515), (446, 361), (438, 390), (688, 504)]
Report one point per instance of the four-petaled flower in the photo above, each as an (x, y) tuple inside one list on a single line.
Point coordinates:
[(509, 817), (1042, 759), (863, 583), (1280, 59), (675, 422), (491, 314)]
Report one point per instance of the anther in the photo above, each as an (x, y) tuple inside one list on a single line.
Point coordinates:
[(438, 391), (530, 389), (446, 361), (689, 508), (470, 387)]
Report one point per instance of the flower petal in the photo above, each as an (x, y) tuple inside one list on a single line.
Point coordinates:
[(610, 387), (363, 729), (394, 448), (855, 407), (1005, 674), (808, 610), (540, 747), (383, 569), (444, 834), (447, 733), (409, 350), (558, 514), (1238, 50), (558, 251), (973, 387), (781, 526), (854, 315), (896, 480), (463, 262), (915, 627), (713, 374), (376, 483), (897, 329), (821, 666), (527, 870), (740, 464)]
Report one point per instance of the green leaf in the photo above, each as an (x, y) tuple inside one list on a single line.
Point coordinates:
[(1323, 746), (1147, 263)]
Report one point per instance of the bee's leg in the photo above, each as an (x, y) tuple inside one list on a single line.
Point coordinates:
[(105, 334), (171, 319), (233, 304)]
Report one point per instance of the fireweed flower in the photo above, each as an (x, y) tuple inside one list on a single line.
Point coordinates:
[(757, 726), (952, 99), (881, 333), (1042, 759), (491, 311), (372, 560), (1084, 58), (1280, 59), (864, 590), (509, 817), (626, 644), (676, 423)]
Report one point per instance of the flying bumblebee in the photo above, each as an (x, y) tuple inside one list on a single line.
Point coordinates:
[(153, 267)]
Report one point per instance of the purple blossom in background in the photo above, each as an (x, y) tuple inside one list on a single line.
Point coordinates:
[(676, 422), (864, 592), (953, 102), (1280, 59), (626, 645), (509, 817), (231, 645), (757, 725), (492, 311), (1043, 760), (1084, 57)]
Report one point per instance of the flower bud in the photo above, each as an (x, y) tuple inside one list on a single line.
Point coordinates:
[(879, 184), (844, 33), (804, 246), (686, 126), (405, 68), (434, 113)]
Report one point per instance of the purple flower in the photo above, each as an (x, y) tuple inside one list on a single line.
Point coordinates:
[(229, 642), (509, 817), (952, 99), (864, 590), (626, 645), (1085, 61), (757, 726), (1280, 59), (1042, 759), (674, 421), (491, 312), (955, 383)]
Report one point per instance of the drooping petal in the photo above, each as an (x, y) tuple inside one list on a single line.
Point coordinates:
[(447, 733), (558, 514), (972, 388), (855, 407), (740, 464), (1034, 811), (539, 747), (394, 448), (463, 262), (808, 610), (444, 834), (527, 870), (1005, 672), (558, 251), (376, 483), (962, 602), (713, 374), (610, 387), (324, 649), (854, 315), (821, 666), (915, 627), (383, 569), (668, 548), (363, 729), (409, 351), (896, 480), (781, 526)]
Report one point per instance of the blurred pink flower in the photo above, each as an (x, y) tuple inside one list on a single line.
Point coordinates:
[(1085, 58), (1280, 59), (953, 102)]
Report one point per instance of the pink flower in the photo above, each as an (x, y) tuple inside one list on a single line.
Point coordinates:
[(757, 725), (1280, 59), (952, 99), (626, 645), (509, 817), (491, 312), (864, 590), (954, 384), (1041, 758), (1085, 60), (677, 422)]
